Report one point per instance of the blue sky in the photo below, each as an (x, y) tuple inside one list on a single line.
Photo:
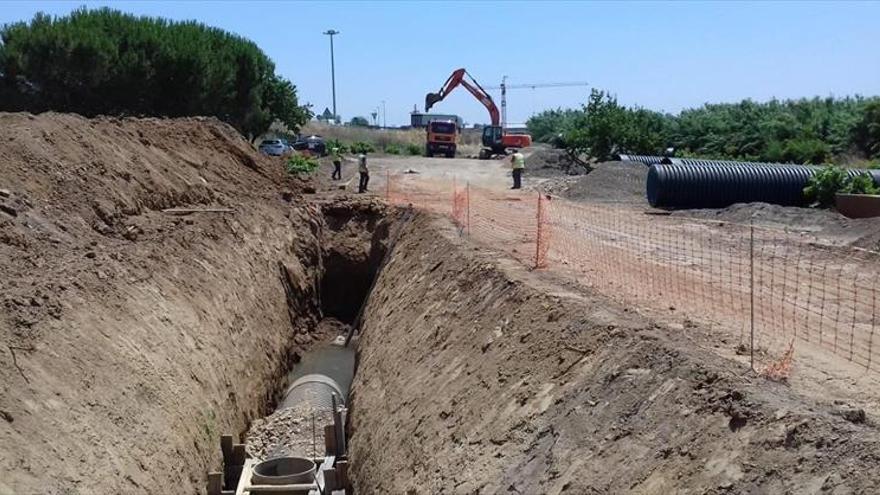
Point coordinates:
[(662, 56)]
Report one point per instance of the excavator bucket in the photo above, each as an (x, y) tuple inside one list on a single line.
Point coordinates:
[(430, 99)]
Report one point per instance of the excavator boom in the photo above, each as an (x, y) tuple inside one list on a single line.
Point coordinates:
[(461, 77)]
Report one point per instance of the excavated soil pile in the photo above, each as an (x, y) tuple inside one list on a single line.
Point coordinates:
[(551, 162), (132, 338), (828, 224), (619, 182), (475, 376)]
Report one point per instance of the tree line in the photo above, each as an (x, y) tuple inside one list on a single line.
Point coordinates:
[(817, 130), (105, 62)]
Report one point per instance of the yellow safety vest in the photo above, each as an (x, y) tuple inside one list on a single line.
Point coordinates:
[(519, 161)]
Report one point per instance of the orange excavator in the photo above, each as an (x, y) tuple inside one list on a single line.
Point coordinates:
[(495, 140)]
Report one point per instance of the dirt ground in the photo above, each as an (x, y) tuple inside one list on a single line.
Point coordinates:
[(131, 338), (477, 376)]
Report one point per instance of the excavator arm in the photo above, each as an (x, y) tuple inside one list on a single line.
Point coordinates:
[(461, 77)]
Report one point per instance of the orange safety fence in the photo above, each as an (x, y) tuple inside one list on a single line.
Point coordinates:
[(778, 291)]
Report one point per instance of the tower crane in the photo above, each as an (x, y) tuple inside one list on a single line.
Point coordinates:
[(504, 87)]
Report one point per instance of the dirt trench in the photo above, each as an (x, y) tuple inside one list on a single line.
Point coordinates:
[(132, 338), (476, 376)]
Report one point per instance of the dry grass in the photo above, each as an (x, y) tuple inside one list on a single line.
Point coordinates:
[(378, 137), (469, 142)]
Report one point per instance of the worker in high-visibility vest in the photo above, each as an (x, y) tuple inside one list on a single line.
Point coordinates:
[(517, 164), (364, 171), (337, 163)]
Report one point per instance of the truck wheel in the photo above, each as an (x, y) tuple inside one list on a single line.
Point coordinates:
[(484, 154), (450, 154)]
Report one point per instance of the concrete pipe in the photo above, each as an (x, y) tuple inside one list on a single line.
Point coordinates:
[(284, 471), (314, 392)]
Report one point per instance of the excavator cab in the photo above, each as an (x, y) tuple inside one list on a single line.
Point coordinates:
[(492, 137)]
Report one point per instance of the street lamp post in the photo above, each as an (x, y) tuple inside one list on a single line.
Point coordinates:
[(384, 121), (331, 33)]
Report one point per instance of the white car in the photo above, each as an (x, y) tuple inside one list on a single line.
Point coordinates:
[(273, 147)]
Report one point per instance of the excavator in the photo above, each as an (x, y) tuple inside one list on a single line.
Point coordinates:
[(495, 140)]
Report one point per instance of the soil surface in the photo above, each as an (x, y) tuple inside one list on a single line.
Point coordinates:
[(131, 339), (477, 376), (827, 224)]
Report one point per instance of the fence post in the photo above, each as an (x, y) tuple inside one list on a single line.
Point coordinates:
[(467, 198), (388, 186), (538, 236), (752, 293), (455, 212)]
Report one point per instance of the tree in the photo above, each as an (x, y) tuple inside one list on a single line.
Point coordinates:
[(796, 131), (359, 122), (95, 62), (605, 128), (866, 133)]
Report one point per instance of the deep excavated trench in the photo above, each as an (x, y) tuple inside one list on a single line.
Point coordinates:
[(474, 376), (135, 338)]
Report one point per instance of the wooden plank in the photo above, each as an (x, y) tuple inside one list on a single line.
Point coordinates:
[(215, 483), (246, 471), (238, 454), (299, 487), (329, 440), (342, 475), (226, 448)]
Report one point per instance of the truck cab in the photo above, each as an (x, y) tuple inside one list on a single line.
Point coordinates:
[(441, 138)]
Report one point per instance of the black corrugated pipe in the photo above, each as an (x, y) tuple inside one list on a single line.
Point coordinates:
[(719, 186), (646, 159), (697, 161)]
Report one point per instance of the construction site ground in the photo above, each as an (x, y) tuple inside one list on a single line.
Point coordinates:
[(621, 185), (134, 335)]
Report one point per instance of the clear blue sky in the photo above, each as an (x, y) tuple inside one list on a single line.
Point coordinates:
[(662, 56)]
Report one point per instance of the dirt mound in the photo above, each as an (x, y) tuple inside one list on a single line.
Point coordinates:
[(551, 162), (622, 182), (132, 338), (827, 224), (478, 377)]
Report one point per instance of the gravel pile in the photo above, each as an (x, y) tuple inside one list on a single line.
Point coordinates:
[(288, 432)]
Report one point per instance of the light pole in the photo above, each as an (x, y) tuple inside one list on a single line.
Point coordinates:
[(331, 33), (384, 120)]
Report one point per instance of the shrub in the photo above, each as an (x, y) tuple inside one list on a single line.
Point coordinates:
[(831, 180), (335, 143), (414, 149), (392, 149), (362, 147), (301, 164)]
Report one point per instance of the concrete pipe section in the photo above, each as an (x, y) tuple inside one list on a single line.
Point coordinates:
[(314, 391), (284, 471)]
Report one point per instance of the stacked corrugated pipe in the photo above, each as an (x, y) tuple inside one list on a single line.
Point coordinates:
[(644, 159), (713, 185)]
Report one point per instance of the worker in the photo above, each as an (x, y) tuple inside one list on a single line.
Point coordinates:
[(364, 171), (518, 164), (337, 163)]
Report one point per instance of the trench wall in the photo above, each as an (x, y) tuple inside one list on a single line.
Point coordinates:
[(475, 376), (131, 339)]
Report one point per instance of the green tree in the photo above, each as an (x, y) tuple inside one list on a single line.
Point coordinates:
[(103, 61), (359, 122), (866, 133)]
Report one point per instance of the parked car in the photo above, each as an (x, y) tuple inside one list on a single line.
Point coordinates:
[(273, 147), (314, 144)]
